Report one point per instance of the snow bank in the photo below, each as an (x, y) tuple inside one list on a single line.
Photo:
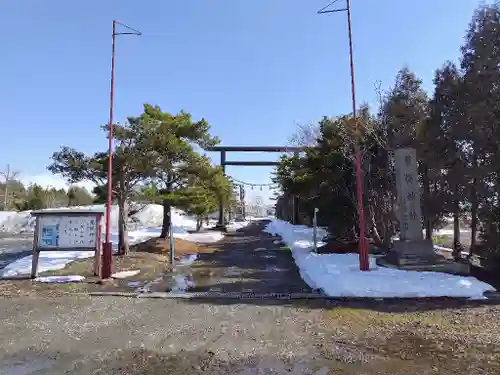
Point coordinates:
[(6, 215), (179, 218), (147, 225), (60, 279), (148, 215), (338, 275), (56, 260), (237, 225)]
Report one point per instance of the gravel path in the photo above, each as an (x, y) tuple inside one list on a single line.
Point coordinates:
[(104, 335), (248, 261), (107, 335)]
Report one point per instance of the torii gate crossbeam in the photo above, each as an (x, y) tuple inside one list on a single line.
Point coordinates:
[(223, 162)]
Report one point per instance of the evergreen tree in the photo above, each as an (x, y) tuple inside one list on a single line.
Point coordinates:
[(480, 62), (131, 162), (172, 141)]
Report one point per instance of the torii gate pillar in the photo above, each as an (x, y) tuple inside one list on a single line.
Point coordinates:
[(223, 162)]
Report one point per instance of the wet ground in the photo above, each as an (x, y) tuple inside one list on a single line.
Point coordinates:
[(14, 246), (245, 262)]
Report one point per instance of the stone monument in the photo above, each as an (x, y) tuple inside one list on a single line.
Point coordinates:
[(412, 251)]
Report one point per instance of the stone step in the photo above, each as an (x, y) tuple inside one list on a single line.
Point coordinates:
[(420, 260)]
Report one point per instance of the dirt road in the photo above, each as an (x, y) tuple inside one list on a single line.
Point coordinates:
[(14, 246), (248, 261), (112, 335)]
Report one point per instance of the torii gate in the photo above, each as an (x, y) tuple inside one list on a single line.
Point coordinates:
[(223, 162)]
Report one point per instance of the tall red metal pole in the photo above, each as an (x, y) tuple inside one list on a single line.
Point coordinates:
[(108, 247), (363, 246)]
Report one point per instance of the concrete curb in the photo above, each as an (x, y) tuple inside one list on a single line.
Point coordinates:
[(271, 296), (236, 296), (112, 294), (215, 295)]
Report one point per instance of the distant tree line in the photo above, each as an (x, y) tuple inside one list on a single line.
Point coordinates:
[(455, 133), (34, 197)]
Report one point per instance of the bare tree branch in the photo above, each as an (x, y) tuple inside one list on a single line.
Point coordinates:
[(8, 175)]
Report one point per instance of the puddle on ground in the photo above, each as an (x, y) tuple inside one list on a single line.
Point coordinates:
[(25, 367), (187, 260), (233, 271), (135, 284), (182, 283), (277, 269), (186, 278), (182, 279)]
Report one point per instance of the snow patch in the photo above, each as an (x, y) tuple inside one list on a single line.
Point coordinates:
[(237, 225), (48, 261), (147, 221), (203, 237), (181, 284), (187, 260), (338, 275), (125, 274), (60, 279)]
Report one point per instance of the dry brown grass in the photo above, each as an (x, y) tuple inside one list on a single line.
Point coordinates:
[(162, 246), (443, 341)]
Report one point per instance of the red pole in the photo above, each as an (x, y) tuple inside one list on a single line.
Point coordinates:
[(363, 248), (108, 247)]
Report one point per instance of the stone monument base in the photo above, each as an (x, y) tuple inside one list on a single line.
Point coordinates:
[(407, 253), (420, 256)]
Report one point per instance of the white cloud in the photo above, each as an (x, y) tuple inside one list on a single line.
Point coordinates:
[(50, 180)]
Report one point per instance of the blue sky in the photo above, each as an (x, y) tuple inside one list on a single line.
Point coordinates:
[(253, 69)]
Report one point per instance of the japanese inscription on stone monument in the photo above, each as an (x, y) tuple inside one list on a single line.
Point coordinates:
[(408, 189)]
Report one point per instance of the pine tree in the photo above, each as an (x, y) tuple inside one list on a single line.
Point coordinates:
[(480, 61)]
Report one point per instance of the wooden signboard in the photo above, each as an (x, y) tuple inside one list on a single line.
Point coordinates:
[(67, 230)]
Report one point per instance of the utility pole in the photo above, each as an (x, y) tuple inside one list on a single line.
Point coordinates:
[(363, 245), (8, 175), (107, 249)]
